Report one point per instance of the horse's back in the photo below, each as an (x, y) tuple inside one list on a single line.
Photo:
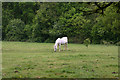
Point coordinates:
[(62, 40), (57, 40), (65, 39)]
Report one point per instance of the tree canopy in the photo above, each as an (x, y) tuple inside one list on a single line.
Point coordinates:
[(46, 21)]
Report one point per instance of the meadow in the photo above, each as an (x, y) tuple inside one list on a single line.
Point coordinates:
[(38, 60)]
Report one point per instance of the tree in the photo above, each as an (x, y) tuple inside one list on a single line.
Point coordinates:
[(43, 21), (107, 26), (72, 24)]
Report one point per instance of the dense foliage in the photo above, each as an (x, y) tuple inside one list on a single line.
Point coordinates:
[(44, 22)]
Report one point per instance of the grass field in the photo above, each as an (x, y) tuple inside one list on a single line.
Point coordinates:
[(38, 60)]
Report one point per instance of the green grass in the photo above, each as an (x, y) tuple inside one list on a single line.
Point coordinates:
[(38, 60)]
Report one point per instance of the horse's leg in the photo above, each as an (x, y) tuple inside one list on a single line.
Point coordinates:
[(59, 47), (66, 46)]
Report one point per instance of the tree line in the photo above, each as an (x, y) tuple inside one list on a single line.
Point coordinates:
[(46, 21)]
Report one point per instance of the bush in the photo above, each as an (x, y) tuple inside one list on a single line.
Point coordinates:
[(118, 43), (28, 32), (37, 39), (86, 42), (15, 30), (107, 42), (49, 40)]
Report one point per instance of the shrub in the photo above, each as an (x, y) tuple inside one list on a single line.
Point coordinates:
[(86, 42), (49, 40), (14, 30), (104, 42), (107, 42), (28, 32), (37, 39), (118, 43)]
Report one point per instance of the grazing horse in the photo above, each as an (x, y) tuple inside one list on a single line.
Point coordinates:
[(60, 41)]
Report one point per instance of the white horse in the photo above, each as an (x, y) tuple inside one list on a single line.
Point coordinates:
[(59, 41)]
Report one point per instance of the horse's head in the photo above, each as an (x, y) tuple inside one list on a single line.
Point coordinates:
[(55, 48)]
